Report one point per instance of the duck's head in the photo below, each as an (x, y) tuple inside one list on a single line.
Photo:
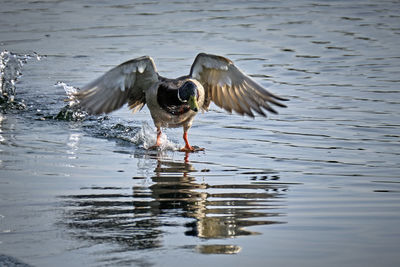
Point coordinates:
[(188, 93)]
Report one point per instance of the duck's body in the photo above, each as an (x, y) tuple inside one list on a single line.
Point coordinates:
[(166, 109), (175, 102)]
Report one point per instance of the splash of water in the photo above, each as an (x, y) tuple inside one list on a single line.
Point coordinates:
[(147, 137), (10, 67), (10, 70), (70, 91), (144, 137), (72, 111)]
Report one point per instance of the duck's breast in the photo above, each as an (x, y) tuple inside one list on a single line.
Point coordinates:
[(166, 109)]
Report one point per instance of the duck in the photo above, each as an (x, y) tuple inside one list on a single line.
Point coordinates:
[(176, 102)]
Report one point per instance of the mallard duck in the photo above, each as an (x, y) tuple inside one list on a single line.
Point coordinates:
[(175, 102)]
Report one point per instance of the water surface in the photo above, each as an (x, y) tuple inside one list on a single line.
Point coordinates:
[(316, 185)]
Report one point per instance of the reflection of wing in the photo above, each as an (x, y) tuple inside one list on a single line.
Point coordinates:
[(126, 82), (230, 88)]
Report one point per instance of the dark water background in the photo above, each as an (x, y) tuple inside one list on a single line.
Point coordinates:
[(316, 185)]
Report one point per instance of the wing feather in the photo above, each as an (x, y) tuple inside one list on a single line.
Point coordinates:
[(236, 98), (227, 99), (125, 83), (243, 101), (231, 89)]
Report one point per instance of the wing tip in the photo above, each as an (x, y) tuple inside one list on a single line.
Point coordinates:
[(281, 98), (279, 104)]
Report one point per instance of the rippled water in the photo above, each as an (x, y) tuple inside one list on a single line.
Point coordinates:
[(316, 185)]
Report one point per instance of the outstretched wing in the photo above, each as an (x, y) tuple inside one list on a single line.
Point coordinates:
[(229, 88), (126, 82)]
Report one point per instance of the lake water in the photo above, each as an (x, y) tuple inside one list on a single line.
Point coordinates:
[(316, 185)]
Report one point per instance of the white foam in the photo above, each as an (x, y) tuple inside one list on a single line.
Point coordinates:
[(70, 91), (146, 137)]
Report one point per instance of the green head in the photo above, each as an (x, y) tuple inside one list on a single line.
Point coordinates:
[(188, 93)]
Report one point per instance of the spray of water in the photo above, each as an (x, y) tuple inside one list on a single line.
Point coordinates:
[(147, 135), (10, 70), (72, 111)]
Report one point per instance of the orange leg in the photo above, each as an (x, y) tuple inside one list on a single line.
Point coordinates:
[(158, 142), (187, 146)]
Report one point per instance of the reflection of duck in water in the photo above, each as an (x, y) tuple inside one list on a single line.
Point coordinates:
[(220, 210), (175, 102), (135, 217)]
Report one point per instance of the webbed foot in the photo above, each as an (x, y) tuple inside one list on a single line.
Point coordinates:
[(191, 149)]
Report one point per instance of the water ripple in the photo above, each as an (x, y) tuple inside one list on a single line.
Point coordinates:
[(137, 217)]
